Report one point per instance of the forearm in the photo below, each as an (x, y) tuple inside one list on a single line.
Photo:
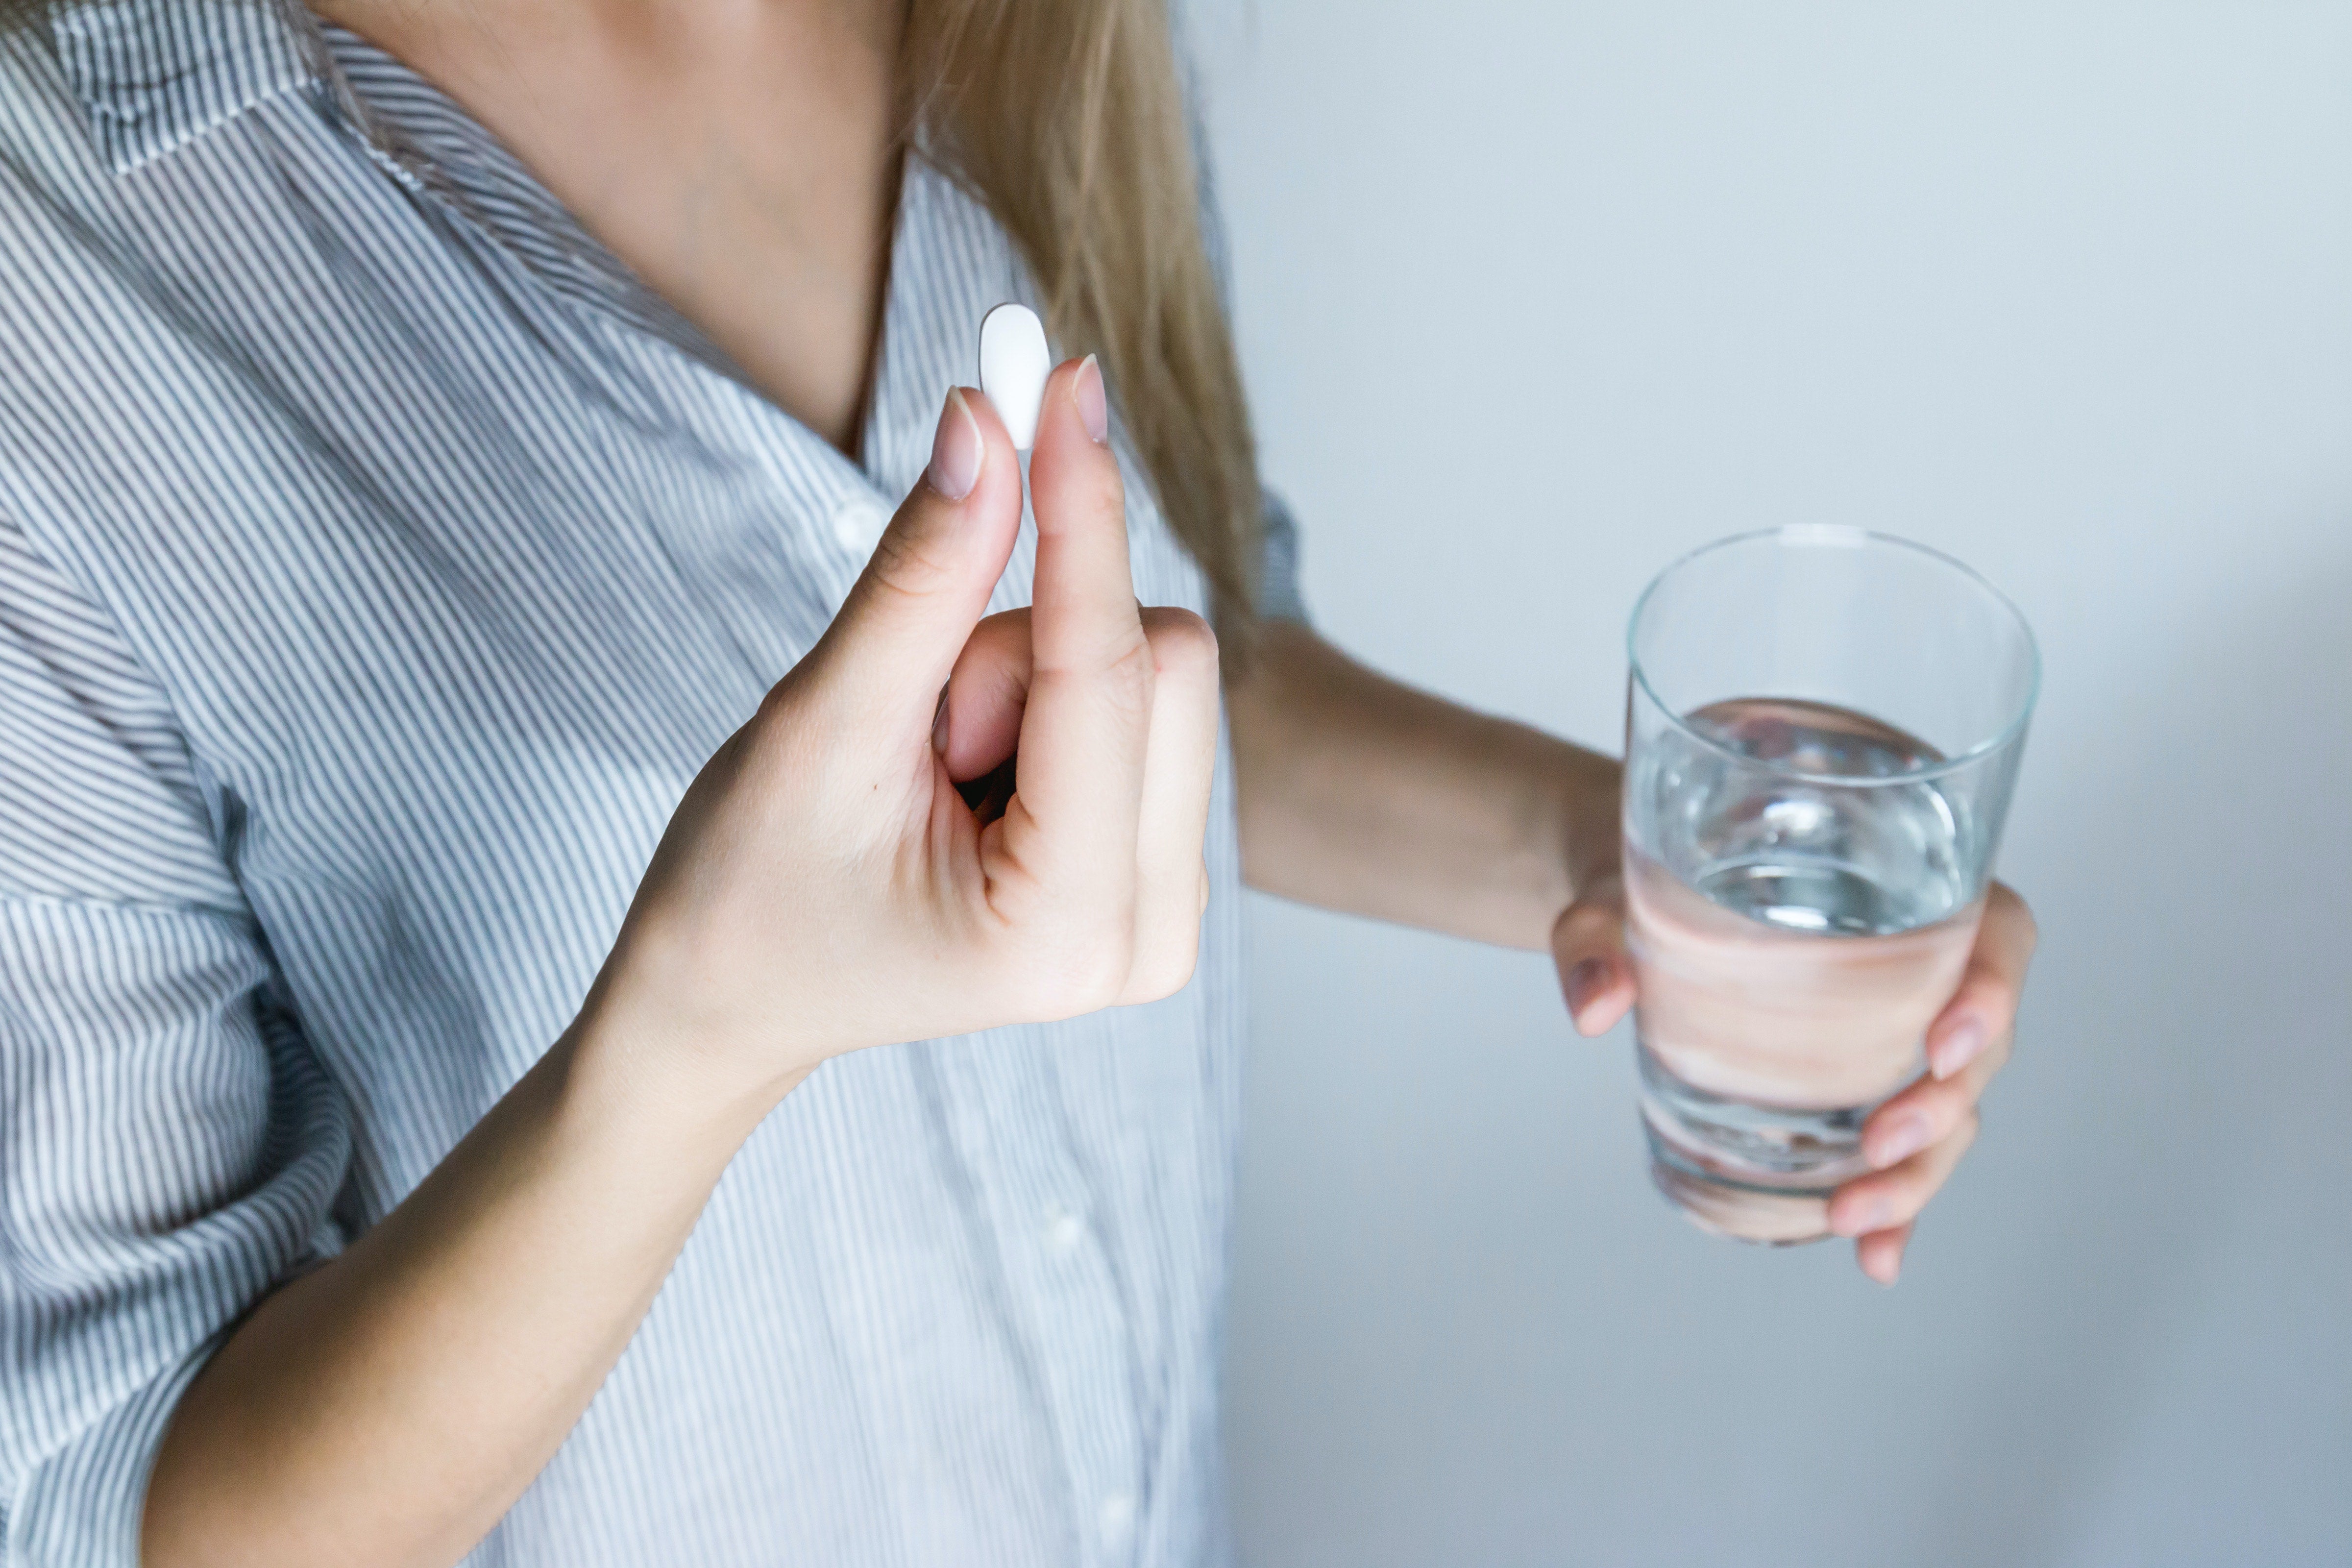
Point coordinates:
[(387, 1408), (1361, 794)]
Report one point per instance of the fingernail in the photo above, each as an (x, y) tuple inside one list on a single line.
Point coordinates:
[(955, 451), (1585, 982), (1958, 1048), (1887, 1272), (1908, 1137), (939, 724), (1093, 407)]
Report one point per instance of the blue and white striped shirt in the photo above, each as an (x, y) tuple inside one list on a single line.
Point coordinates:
[(379, 562)]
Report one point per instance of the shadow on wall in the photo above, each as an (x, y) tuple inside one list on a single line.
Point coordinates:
[(2189, 1098)]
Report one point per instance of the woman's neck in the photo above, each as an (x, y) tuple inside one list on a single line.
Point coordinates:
[(742, 157)]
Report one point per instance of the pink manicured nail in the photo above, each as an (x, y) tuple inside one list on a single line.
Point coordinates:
[(1585, 982), (1958, 1048), (956, 449), (1908, 1137), (1093, 407)]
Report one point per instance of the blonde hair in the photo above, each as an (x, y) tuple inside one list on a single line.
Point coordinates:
[(1068, 118)]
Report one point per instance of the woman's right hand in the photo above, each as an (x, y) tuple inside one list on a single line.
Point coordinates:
[(823, 886)]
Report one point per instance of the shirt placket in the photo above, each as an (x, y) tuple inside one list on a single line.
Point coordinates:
[(1048, 1227)]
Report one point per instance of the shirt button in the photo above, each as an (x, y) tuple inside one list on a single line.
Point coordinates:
[(1116, 1518), (858, 523), (1064, 1231)]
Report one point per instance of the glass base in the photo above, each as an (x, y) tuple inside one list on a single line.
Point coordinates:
[(1759, 1215), (1751, 1173)]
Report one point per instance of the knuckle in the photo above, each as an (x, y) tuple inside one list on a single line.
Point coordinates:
[(1165, 959), (1182, 643), (1003, 635), (1940, 1106), (2012, 907), (906, 564), (1585, 925), (1099, 490), (1129, 676), (1082, 974), (1985, 991), (1080, 496), (1169, 972), (1101, 975)]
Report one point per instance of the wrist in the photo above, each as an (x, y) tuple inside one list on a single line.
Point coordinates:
[(1591, 823), (638, 1043)]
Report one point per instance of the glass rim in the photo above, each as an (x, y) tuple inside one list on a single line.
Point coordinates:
[(1845, 536)]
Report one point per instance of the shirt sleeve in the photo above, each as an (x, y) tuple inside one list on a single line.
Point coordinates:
[(169, 1147), (1278, 598)]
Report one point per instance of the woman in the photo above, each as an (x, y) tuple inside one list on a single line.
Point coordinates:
[(479, 768)]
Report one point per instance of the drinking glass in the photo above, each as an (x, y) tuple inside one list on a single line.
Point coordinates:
[(1822, 732)]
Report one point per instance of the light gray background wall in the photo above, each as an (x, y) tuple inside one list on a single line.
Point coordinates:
[(1534, 297)]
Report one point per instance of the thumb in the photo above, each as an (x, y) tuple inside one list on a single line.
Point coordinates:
[(1588, 943), (896, 640)]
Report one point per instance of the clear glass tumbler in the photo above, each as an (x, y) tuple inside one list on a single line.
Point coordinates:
[(1822, 732)]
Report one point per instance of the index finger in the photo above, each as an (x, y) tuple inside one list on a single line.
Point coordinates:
[(1588, 946), (1985, 1006)]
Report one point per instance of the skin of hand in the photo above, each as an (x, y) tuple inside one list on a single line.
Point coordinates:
[(823, 886), (1913, 1140), (1361, 794)]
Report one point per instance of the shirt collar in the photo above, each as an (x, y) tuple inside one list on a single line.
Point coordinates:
[(154, 75)]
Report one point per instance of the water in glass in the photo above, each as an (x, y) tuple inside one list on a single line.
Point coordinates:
[(1795, 929)]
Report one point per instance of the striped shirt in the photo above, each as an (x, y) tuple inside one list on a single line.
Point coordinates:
[(379, 561)]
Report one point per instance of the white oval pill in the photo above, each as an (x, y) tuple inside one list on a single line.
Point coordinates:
[(1013, 365)]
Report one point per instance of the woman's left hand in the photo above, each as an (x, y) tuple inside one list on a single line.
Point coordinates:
[(1916, 1138)]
